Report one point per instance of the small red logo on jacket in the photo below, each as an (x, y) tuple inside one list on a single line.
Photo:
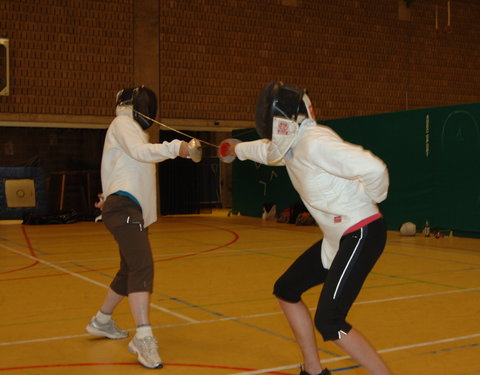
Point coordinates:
[(337, 219), (283, 128)]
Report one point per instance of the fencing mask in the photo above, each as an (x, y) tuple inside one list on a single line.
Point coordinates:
[(280, 109), (143, 101)]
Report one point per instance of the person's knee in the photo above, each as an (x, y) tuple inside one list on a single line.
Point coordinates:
[(119, 287), (331, 325), (119, 284), (283, 290), (141, 280)]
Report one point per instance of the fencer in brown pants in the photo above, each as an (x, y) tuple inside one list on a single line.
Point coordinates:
[(123, 218)]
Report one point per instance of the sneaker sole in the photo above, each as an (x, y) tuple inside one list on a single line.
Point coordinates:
[(97, 332), (134, 350)]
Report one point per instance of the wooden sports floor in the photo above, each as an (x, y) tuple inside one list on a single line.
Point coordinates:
[(212, 309)]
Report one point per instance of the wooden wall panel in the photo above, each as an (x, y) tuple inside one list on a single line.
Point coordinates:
[(355, 57)]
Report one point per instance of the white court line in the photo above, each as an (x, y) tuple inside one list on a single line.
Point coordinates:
[(418, 296), (244, 317), (160, 256), (336, 359), (90, 280), (192, 321)]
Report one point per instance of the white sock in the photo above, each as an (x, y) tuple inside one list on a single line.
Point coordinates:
[(103, 318), (144, 331)]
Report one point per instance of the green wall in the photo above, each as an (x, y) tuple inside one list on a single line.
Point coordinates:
[(433, 157), (254, 185)]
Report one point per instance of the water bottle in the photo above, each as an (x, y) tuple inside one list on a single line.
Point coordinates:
[(427, 229)]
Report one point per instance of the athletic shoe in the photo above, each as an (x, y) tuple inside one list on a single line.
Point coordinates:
[(108, 329), (146, 350), (325, 371)]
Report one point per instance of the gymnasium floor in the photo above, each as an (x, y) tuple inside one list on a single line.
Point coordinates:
[(213, 310)]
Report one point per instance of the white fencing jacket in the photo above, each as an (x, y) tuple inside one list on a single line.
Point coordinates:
[(128, 162), (339, 183)]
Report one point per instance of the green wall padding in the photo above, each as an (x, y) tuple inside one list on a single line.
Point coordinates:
[(255, 185), (433, 157)]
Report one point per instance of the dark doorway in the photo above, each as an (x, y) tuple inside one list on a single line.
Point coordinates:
[(187, 187)]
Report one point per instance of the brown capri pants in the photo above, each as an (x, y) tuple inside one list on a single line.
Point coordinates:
[(123, 218)]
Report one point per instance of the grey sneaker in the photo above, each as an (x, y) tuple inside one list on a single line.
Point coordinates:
[(146, 350), (109, 329)]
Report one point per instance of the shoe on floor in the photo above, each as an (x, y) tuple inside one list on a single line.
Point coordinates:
[(325, 371), (146, 350), (108, 329)]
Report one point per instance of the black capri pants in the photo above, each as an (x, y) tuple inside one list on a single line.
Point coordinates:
[(357, 254), (124, 219)]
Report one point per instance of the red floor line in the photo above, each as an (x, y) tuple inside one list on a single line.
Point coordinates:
[(236, 236), (30, 249), (219, 367)]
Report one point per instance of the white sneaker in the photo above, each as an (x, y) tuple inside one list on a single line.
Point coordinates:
[(146, 350), (108, 329)]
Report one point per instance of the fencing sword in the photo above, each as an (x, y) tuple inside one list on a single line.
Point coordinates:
[(194, 146)]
